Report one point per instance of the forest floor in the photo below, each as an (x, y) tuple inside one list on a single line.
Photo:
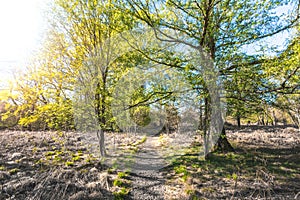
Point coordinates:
[(58, 165)]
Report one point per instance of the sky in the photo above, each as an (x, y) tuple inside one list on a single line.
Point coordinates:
[(22, 24), (279, 39)]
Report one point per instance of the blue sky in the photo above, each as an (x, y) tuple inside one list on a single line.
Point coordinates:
[(279, 39)]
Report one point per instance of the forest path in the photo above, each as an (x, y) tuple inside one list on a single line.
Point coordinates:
[(147, 179)]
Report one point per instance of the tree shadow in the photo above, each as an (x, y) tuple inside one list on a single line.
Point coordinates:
[(261, 172), (144, 188)]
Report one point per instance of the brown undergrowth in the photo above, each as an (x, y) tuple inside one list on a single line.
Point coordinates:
[(265, 165)]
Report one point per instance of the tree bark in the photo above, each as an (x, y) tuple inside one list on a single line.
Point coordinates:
[(223, 145), (100, 112), (238, 119), (201, 119), (100, 135), (205, 127)]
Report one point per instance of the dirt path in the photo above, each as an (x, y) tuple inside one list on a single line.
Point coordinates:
[(146, 176), (49, 165)]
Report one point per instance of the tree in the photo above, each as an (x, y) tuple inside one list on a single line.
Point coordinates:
[(242, 89), (284, 72), (140, 113), (91, 27), (220, 28), (40, 96)]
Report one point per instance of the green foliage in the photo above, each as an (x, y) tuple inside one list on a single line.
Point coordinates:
[(122, 185), (223, 29), (234, 176), (140, 113), (284, 73), (143, 140), (73, 76), (111, 170)]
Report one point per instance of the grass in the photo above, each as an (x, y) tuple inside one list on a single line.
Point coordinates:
[(139, 142), (50, 153), (182, 171), (118, 183), (122, 185), (122, 175), (77, 157), (238, 166), (121, 194), (143, 140), (14, 171), (90, 158), (69, 163), (61, 156), (162, 141)]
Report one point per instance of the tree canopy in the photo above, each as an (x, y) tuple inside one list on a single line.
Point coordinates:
[(91, 45)]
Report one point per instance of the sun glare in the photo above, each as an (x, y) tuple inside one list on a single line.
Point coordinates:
[(21, 25)]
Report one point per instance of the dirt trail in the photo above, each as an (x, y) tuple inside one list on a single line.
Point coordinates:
[(48, 165), (147, 179)]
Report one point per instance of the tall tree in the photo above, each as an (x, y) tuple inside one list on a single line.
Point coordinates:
[(91, 27), (283, 72), (221, 28)]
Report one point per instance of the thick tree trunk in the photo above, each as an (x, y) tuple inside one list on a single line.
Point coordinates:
[(214, 131), (223, 145)]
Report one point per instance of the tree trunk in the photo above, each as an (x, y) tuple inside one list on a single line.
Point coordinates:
[(205, 128), (100, 135), (201, 119), (223, 145), (295, 118), (238, 119), (167, 128), (100, 112)]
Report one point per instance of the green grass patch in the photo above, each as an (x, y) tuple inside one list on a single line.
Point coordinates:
[(14, 171), (235, 164), (90, 158), (49, 153), (69, 163), (122, 175), (139, 142), (118, 183), (121, 194)]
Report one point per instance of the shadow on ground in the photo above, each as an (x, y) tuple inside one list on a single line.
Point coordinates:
[(249, 173)]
